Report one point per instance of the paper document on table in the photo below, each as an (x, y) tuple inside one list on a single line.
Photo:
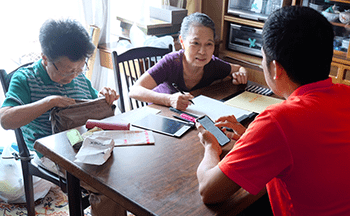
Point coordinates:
[(140, 113), (204, 105), (127, 137), (252, 102)]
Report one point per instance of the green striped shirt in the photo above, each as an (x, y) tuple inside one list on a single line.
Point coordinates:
[(31, 84)]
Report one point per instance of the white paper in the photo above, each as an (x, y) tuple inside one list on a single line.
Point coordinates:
[(137, 115), (126, 137), (95, 150), (204, 105)]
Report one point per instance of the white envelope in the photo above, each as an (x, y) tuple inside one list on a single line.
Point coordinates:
[(95, 150)]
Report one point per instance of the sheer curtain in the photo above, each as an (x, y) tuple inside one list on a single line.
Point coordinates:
[(97, 12), (103, 13)]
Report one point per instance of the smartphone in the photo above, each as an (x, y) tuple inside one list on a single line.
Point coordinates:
[(209, 125)]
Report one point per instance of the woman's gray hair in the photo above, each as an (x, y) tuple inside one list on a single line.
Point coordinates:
[(196, 19)]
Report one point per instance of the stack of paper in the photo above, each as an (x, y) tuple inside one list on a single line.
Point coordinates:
[(252, 102)]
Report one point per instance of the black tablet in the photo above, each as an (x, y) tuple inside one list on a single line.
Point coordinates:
[(162, 124)]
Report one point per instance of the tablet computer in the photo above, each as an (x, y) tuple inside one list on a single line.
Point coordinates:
[(162, 124)]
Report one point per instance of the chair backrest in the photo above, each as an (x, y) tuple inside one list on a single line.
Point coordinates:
[(5, 79), (129, 66)]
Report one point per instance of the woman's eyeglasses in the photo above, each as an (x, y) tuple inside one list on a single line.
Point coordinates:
[(85, 69)]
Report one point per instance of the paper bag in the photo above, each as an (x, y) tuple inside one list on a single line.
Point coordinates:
[(65, 118), (95, 150)]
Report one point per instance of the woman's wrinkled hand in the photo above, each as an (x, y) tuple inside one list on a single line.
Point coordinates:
[(240, 77), (180, 101), (110, 94)]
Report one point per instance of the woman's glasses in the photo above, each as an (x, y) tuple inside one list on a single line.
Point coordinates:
[(76, 73)]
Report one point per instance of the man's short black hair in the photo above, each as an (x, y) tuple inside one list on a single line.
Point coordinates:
[(301, 40), (59, 38)]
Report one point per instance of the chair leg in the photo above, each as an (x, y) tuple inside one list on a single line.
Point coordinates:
[(28, 188)]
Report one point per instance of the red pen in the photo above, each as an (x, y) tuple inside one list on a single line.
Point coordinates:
[(190, 118)]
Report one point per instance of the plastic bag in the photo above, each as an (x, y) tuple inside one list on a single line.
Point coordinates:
[(161, 42), (137, 36), (139, 39), (11, 180)]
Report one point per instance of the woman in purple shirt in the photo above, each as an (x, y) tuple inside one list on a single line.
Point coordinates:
[(193, 67)]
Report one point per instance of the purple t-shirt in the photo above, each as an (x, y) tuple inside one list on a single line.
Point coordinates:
[(170, 70)]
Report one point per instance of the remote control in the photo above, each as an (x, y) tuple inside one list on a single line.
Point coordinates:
[(259, 90)]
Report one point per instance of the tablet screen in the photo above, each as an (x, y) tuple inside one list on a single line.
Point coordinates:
[(163, 125)]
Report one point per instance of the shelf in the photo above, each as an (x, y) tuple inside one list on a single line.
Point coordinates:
[(342, 1), (238, 20), (340, 57), (253, 60), (341, 25)]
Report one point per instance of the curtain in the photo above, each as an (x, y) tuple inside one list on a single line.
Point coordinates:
[(194, 6), (97, 12), (175, 3)]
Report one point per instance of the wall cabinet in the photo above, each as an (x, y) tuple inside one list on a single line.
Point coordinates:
[(340, 69), (217, 10), (251, 62)]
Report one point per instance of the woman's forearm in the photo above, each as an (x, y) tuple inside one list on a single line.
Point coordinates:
[(18, 116), (150, 96)]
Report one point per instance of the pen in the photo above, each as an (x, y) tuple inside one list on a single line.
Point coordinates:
[(175, 86), (182, 119), (180, 112)]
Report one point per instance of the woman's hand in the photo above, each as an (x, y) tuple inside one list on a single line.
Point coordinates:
[(240, 76), (58, 101), (180, 101), (232, 123), (110, 94)]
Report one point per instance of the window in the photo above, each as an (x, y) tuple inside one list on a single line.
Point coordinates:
[(20, 24)]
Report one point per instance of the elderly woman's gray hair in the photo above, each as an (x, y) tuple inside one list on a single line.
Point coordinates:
[(196, 19)]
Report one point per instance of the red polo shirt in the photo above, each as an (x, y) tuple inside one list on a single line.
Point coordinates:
[(300, 150)]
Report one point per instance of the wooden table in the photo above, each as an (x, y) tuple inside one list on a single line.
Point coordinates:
[(157, 179)]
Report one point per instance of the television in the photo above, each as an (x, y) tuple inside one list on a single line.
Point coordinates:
[(258, 10)]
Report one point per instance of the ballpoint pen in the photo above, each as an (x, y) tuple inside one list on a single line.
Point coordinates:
[(175, 86)]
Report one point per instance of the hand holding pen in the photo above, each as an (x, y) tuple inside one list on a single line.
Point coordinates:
[(179, 90)]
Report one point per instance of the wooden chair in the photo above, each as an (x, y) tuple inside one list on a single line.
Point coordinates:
[(95, 35), (129, 66), (30, 169)]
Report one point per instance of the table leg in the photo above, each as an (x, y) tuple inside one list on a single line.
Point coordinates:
[(74, 195)]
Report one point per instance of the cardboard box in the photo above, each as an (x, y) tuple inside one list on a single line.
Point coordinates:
[(173, 15)]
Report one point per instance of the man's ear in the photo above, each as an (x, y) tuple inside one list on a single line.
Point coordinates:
[(277, 69), (44, 58)]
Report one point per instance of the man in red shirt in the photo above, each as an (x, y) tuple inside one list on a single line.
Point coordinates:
[(299, 149)]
